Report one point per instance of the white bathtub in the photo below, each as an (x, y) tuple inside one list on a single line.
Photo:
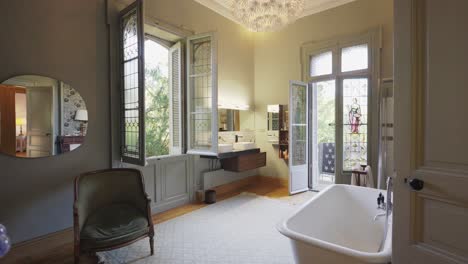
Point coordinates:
[(337, 226)]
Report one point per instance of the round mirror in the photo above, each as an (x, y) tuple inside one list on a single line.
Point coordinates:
[(40, 117)]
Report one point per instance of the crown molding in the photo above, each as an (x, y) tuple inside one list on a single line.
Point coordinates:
[(218, 8), (310, 9), (325, 5)]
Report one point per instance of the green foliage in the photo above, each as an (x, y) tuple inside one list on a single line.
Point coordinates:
[(156, 113), (326, 113)]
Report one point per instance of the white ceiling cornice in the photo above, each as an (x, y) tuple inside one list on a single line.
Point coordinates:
[(220, 8), (223, 7)]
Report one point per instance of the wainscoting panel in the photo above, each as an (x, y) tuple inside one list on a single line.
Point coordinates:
[(168, 181), (173, 180)]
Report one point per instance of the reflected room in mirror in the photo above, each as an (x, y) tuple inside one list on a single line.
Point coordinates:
[(277, 127), (40, 117), (235, 120), (228, 120)]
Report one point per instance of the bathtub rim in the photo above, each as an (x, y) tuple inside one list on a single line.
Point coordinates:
[(383, 256)]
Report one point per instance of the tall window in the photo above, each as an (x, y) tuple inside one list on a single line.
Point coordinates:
[(340, 71), (152, 89), (156, 99), (132, 81)]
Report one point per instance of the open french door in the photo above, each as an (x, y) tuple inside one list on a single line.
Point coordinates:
[(312, 135), (298, 137)]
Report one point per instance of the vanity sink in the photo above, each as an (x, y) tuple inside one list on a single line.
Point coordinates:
[(244, 145), (222, 148)]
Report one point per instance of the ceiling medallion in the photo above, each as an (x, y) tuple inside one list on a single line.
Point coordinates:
[(267, 15)]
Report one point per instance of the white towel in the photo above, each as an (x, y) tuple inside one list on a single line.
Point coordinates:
[(369, 177), (366, 180)]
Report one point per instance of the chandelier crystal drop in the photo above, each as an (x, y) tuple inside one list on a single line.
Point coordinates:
[(267, 15)]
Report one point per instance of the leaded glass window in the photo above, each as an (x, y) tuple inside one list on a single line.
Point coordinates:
[(132, 124), (354, 58), (347, 63), (202, 92), (298, 125), (355, 122), (321, 64)]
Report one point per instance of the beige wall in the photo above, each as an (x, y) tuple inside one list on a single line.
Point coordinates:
[(235, 45), (277, 58)]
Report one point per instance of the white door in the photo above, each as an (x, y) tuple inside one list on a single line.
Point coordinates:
[(39, 122), (298, 138), (323, 134), (431, 124)]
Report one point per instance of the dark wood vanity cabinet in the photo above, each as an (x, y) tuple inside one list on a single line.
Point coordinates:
[(68, 143), (244, 162)]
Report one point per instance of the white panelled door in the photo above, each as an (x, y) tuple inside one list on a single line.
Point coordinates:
[(39, 132), (298, 137), (431, 142)]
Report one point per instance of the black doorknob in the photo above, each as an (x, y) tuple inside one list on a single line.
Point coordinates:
[(416, 184)]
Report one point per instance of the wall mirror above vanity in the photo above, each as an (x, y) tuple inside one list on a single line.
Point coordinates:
[(40, 117), (228, 120), (235, 120), (277, 128), (236, 128)]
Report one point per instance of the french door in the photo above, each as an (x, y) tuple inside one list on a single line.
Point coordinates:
[(322, 131), (340, 75), (328, 131), (298, 137)]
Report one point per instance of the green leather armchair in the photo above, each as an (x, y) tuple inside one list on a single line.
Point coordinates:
[(111, 210)]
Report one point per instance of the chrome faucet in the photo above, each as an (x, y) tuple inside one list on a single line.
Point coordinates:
[(385, 205)]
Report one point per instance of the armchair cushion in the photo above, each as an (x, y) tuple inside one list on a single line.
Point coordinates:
[(113, 225)]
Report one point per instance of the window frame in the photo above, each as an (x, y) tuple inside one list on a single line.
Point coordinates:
[(182, 35), (166, 44), (140, 159), (213, 151), (373, 40)]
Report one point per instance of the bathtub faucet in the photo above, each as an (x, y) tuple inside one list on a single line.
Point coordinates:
[(388, 205)]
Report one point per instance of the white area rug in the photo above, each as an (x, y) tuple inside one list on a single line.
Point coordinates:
[(238, 230)]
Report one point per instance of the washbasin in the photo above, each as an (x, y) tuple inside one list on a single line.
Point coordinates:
[(222, 148), (244, 145)]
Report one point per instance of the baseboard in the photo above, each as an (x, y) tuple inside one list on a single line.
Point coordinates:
[(26, 252), (280, 181), (212, 179)]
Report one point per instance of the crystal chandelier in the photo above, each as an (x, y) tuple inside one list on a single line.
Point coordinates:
[(267, 15)]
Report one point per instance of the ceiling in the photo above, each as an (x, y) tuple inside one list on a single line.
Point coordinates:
[(223, 7)]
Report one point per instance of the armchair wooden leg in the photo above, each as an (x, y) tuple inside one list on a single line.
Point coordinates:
[(77, 254), (151, 241)]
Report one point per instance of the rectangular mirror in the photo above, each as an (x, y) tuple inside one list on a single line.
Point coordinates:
[(235, 120), (273, 117)]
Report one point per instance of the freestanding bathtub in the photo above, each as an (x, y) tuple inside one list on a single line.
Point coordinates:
[(337, 226)]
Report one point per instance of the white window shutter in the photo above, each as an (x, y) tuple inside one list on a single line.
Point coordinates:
[(176, 98)]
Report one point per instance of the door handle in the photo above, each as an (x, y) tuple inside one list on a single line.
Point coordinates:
[(415, 184), (331, 124)]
